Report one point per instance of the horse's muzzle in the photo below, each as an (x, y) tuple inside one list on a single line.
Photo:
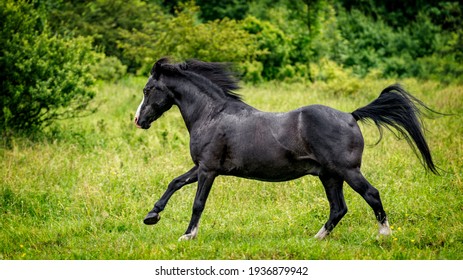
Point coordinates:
[(143, 124), (136, 122)]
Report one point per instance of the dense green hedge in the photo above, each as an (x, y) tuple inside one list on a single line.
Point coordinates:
[(43, 77), (183, 36), (278, 39)]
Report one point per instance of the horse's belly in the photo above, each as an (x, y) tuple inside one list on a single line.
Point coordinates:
[(274, 171), (281, 177)]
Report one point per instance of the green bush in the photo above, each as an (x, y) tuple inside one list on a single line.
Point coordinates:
[(417, 48), (183, 36), (43, 77), (252, 71), (101, 20), (332, 78), (446, 69), (108, 68), (280, 38), (273, 44)]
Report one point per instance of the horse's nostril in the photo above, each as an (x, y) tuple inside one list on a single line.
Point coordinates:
[(136, 122)]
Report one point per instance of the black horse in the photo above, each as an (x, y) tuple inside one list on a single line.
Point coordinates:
[(229, 137)]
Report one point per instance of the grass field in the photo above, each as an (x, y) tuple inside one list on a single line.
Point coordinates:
[(82, 190)]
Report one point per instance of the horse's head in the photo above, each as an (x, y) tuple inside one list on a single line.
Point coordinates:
[(157, 99)]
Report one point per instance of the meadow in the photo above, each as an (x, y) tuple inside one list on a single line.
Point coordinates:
[(82, 189)]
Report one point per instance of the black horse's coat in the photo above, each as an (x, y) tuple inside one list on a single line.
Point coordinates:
[(229, 137)]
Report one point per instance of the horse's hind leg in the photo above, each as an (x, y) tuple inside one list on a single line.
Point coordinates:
[(371, 195), (333, 188)]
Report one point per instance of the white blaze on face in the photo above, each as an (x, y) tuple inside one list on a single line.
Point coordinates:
[(137, 114)]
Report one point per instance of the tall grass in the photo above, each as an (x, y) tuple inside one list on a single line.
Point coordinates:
[(82, 190)]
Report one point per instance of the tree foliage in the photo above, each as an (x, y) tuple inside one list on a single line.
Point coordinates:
[(183, 36), (275, 39), (43, 77)]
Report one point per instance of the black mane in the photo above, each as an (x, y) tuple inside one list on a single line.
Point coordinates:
[(218, 73)]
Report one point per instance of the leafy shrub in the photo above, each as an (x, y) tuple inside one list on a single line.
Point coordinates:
[(273, 44), (108, 68), (419, 48), (43, 78), (252, 71), (182, 36), (282, 38), (333, 78), (218, 9), (101, 20), (446, 69)]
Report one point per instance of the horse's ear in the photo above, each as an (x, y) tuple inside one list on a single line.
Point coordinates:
[(156, 69), (162, 66)]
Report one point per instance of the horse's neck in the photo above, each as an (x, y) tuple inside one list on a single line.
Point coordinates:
[(197, 108)]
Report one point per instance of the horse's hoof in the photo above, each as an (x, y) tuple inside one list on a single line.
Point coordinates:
[(152, 218), (322, 233), (186, 237), (189, 236), (384, 229)]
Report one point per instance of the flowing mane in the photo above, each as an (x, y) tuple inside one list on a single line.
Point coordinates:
[(219, 73)]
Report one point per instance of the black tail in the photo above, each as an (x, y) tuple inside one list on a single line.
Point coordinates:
[(398, 109)]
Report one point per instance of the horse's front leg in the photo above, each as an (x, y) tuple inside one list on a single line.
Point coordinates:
[(205, 181), (190, 177)]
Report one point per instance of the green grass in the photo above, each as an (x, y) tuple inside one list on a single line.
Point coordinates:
[(82, 190)]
